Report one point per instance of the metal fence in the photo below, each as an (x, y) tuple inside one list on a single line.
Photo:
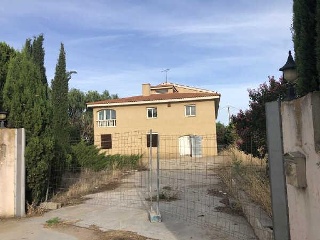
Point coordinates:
[(184, 177)]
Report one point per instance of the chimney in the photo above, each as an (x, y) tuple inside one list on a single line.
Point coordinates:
[(146, 89)]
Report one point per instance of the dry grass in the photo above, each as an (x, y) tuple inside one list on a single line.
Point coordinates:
[(244, 172), (87, 182), (234, 154), (77, 185), (34, 210)]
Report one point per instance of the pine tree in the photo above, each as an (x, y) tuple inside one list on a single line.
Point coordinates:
[(304, 38), (25, 99)]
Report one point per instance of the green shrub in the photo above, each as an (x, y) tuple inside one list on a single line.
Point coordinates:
[(123, 161), (53, 221), (89, 156)]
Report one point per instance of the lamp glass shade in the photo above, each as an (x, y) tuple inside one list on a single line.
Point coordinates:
[(3, 116), (290, 74)]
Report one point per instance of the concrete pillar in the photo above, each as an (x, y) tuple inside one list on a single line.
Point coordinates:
[(12, 172), (301, 136), (277, 179)]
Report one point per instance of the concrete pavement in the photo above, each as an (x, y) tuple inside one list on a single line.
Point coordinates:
[(106, 218)]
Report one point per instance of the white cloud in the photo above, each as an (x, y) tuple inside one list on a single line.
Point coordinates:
[(227, 46)]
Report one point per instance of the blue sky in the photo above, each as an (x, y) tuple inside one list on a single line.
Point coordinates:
[(223, 45)]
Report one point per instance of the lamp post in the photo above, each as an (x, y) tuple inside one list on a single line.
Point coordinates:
[(3, 116), (289, 73)]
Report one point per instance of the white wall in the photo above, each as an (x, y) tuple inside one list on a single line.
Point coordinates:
[(301, 132)]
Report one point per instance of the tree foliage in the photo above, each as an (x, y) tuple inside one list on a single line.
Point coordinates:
[(306, 44), (60, 120), (318, 39), (225, 135), (76, 111), (59, 96), (6, 52), (80, 116), (250, 124), (37, 52), (46, 115), (25, 99)]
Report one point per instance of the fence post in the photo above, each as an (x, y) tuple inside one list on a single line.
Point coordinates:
[(154, 216), (150, 167), (158, 177)]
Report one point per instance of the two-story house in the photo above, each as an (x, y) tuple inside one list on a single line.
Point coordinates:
[(186, 114)]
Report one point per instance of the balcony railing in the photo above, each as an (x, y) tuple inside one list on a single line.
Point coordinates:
[(107, 123)]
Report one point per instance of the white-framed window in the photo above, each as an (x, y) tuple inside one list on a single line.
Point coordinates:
[(152, 112), (107, 118), (190, 110)]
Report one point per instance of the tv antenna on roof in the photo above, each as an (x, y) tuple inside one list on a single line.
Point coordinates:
[(166, 71)]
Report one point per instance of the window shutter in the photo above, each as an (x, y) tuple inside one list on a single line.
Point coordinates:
[(106, 141), (154, 140)]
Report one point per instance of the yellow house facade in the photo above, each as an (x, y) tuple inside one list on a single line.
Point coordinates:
[(182, 118)]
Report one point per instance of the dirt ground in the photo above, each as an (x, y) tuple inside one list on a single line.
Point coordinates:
[(94, 233)]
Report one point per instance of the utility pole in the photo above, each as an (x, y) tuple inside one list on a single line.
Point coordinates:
[(166, 71), (229, 107)]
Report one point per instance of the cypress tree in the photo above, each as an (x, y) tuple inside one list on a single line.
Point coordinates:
[(38, 53), (6, 52), (318, 39), (304, 38), (60, 101), (25, 100), (28, 47), (60, 121)]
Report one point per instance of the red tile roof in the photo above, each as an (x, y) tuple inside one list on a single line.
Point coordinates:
[(155, 97)]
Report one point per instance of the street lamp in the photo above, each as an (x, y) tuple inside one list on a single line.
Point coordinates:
[(290, 74), (3, 116)]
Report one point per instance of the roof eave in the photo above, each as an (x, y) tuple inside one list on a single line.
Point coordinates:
[(92, 105)]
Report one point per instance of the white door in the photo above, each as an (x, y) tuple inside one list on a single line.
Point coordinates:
[(196, 146), (184, 146)]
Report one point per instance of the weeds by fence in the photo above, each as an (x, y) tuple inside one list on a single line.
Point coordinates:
[(92, 171), (76, 185), (241, 171)]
